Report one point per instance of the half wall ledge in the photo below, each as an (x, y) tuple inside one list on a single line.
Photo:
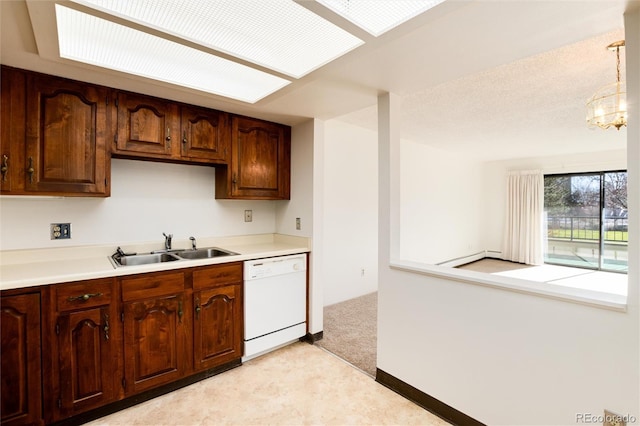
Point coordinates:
[(614, 302)]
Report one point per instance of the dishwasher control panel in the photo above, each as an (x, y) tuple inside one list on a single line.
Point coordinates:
[(264, 268)]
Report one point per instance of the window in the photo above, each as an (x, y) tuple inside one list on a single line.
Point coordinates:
[(587, 220)]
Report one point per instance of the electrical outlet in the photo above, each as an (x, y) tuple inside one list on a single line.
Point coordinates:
[(248, 215), (60, 231), (298, 227), (613, 419)]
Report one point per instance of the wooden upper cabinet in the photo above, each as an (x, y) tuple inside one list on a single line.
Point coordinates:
[(205, 134), (260, 161), (157, 129), (12, 126), (66, 145), (54, 136), (146, 126), (21, 369)]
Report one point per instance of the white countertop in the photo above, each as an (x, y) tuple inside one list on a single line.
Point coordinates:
[(29, 268)]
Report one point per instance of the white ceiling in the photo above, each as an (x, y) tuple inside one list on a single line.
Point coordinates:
[(497, 79)]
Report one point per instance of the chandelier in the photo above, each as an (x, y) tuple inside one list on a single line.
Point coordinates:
[(608, 106)]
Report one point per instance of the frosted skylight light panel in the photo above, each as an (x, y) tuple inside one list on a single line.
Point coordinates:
[(279, 35), (92, 40), (379, 16)]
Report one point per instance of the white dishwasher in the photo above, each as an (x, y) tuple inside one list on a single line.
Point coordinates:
[(275, 303)]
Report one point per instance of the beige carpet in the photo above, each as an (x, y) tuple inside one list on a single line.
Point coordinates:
[(491, 266), (350, 331)]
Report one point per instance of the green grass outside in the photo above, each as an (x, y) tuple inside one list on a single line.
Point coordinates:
[(585, 234)]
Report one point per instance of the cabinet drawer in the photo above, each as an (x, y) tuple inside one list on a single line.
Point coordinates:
[(152, 285), (83, 294), (217, 275)]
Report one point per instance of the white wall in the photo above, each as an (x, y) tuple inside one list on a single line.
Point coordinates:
[(454, 207), (506, 358), (441, 204), (146, 200), (301, 203), (350, 212), (306, 189)]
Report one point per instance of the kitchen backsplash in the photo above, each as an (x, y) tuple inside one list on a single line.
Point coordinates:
[(146, 200)]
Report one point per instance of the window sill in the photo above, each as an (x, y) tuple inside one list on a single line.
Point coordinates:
[(575, 294)]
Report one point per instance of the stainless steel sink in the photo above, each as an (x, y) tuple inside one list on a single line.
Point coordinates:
[(144, 259), (122, 259), (204, 253)]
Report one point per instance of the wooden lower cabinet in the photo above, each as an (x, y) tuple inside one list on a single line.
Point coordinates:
[(21, 371), (155, 343), (85, 347), (104, 340), (217, 327)]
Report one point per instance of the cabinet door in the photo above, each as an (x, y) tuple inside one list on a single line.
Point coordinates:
[(217, 326), (21, 371), (155, 344), (86, 367), (12, 124), (147, 127), (86, 347), (205, 134), (260, 161), (67, 150)]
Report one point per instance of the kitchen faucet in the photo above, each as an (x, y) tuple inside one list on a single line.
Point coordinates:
[(167, 241), (193, 243)]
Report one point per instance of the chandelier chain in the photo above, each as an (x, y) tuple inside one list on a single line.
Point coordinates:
[(618, 63)]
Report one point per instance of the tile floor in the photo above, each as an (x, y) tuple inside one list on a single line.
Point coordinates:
[(299, 384)]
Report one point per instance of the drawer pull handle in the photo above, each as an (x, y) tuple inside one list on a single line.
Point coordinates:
[(84, 297), (31, 170), (106, 327), (5, 167)]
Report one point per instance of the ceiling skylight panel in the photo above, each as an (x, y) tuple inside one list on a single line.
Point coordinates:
[(86, 38), (379, 16), (277, 34)]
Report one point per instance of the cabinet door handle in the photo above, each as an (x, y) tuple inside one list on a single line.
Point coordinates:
[(180, 313), (168, 137), (5, 167), (84, 297), (106, 327), (184, 138), (30, 170), (198, 309), (235, 179)]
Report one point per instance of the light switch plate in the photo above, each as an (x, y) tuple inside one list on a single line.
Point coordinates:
[(248, 215)]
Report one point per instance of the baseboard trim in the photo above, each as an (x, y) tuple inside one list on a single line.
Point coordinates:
[(463, 260), (312, 338), (494, 254), (426, 401)]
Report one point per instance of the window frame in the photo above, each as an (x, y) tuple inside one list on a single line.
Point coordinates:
[(601, 174)]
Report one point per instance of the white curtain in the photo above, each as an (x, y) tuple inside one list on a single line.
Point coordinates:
[(523, 236)]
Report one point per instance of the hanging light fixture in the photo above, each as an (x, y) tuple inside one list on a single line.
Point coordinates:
[(608, 106)]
